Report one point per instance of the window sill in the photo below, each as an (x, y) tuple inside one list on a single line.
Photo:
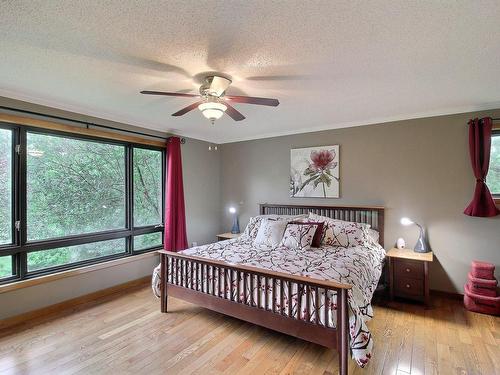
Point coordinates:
[(73, 272)]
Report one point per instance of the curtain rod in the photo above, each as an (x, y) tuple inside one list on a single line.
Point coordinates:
[(87, 124)]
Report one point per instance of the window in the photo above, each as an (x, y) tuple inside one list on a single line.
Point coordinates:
[(6, 186), (5, 266), (73, 186), (493, 178), (84, 200), (148, 241), (73, 254), (147, 187)]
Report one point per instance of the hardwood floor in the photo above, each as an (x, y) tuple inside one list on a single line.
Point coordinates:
[(126, 334)]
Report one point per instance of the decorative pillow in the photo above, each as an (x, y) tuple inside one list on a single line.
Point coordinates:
[(341, 233), (270, 232), (373, 235), (299, 235), (318, 234), (253, 226)]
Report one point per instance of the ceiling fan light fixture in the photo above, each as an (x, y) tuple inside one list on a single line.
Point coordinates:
[(212, 110), (213, 101)]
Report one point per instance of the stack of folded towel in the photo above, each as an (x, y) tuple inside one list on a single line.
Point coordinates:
[(481, 293)]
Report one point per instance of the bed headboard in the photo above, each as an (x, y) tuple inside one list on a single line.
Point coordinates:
[(367, 215)]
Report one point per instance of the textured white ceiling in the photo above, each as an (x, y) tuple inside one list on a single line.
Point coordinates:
[(332, 63)]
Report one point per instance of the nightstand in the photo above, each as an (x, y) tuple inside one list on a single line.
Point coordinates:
[(227, 236), (409, 274)]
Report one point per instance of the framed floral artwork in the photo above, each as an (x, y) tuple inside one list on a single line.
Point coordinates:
[(314, 172)]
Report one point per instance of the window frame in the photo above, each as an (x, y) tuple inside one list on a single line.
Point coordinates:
[(496, 133), (20, 246)]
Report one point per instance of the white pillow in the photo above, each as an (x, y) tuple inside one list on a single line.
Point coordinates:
[(373, 235), (298, 236), (270, 232)]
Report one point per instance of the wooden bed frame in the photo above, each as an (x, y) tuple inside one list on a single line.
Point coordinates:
[(273, 318)]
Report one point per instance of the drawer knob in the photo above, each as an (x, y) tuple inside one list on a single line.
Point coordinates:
[(408, 270), (407, 286)]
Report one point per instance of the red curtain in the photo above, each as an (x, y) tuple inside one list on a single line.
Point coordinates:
[(175, 216), (482, 203)]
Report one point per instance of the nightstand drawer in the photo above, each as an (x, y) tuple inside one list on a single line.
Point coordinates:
[(409, 269), (406, 286)]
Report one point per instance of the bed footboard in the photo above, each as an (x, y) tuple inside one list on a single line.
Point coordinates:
[(229, 289)]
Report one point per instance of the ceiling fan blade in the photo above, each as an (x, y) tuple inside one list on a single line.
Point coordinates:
[(185, 110), (253, 100), (170, 94), (219, 85), (233, 113)]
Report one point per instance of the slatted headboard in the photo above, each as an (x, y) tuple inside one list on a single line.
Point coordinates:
[(367, 215)]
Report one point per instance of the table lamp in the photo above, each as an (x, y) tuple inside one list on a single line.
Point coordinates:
[(422, 245)]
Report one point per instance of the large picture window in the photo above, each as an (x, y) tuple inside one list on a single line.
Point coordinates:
[(74, 186), (69, 200)]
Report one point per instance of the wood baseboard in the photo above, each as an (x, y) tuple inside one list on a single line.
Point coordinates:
[(45, 312)]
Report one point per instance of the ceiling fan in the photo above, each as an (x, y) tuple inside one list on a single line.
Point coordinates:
[(214, 102)]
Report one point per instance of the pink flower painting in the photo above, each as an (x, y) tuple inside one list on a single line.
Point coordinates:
[(315, 172)]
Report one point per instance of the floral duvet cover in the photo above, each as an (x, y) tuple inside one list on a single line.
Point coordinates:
[(360, 266)]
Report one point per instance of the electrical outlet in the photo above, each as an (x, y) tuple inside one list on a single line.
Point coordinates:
[(194, 244)]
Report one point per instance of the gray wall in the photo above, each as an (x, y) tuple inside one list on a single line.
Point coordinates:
[(201, 172), (202, 196), (415, 168)]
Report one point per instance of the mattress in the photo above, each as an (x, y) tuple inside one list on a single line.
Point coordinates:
[(359, 266)]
